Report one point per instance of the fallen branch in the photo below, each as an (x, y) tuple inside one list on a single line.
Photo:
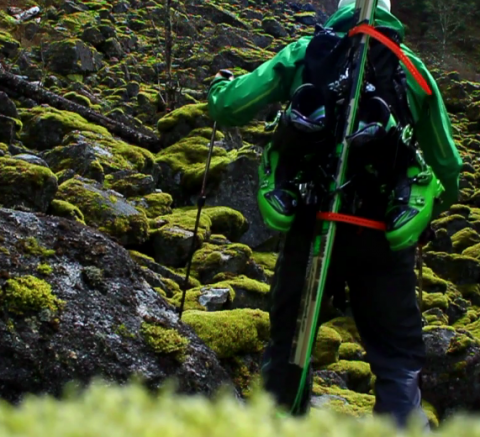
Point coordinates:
[(14, 85)]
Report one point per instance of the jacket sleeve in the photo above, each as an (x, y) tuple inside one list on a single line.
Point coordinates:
[(236, 102), (435, 135)]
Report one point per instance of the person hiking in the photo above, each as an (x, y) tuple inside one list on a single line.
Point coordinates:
[(378, 267)]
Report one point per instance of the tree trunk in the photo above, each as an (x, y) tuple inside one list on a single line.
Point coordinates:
[(15, 86)]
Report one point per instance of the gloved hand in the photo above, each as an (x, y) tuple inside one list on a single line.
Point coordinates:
[(225, 74)]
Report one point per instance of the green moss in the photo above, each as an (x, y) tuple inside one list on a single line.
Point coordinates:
[(265, 259), (212, 259), (28, 293), (154, 205), (165, 341), (69, 121), (100, 211), (460, 343), (465, 238), (435, 300), (326, 347), (138, 256), (350, 351), (473, 251), (243, 282), (193, 295), (78, 98), (356, 405), (16, 172), (4, 250), (30, 246), (62, 208), (124, 332), (227, 221), (357, 372), (431, 282), (347, 329), (188, 157), (186, 113), (230, 333), (44, 269)]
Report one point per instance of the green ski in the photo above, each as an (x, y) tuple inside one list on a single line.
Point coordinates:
[(322, 242)]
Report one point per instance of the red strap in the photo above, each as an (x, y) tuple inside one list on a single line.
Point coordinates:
[(395, 48), (334, 217)]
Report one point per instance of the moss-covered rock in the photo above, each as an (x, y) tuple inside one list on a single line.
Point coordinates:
[(431, 283), (212, 297), (227, 221), (357, 374), (452, 223), (165, 341), (473, 251), (211, 260), (185, 162), (347, 329), (459, 269), (343, 401), (8, 44), (351, 352), (230, 333), (27, 293), (180, 122), (130, 183), (249, 293), (92, 151), (435, 300), (465, 238), (326, 347), (61, 208), (154, 204), (105, 211), (45, 127), (72, 56), (171, 236), (38, 185)]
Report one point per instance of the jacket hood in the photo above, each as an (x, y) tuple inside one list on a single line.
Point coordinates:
[(341, 21)]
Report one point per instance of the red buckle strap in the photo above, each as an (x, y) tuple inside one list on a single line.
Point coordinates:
[(395, 48), (350, 219)]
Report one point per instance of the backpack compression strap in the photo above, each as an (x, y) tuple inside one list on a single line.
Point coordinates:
[(395, 48)]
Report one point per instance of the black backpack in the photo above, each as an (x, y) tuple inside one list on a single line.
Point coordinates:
[(374, 167)]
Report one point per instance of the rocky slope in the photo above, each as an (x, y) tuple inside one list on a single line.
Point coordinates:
[(97, 222)]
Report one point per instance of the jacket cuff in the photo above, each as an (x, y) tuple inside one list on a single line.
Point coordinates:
[(214, 82)]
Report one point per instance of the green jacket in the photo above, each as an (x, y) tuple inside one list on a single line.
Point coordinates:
[(235, 103)]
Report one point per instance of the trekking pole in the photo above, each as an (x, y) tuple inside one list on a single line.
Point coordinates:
[(200, 204), (420, 276)]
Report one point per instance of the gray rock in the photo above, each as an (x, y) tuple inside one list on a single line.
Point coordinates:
[(274, 28), (72, 57), (97, 331), (238, 190), (7, 107), (450, 378), (32, 159), (213, 298)]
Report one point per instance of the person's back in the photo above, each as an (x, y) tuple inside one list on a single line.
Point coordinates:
[(381, 281)]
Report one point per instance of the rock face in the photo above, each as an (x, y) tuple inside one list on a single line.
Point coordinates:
[(75, 305)]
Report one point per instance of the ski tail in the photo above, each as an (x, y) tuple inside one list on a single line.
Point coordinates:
[(322, 243)]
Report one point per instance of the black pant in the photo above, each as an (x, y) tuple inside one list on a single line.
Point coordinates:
[(383, 302)]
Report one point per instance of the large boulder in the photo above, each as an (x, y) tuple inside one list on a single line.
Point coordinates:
[(76, 306)]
